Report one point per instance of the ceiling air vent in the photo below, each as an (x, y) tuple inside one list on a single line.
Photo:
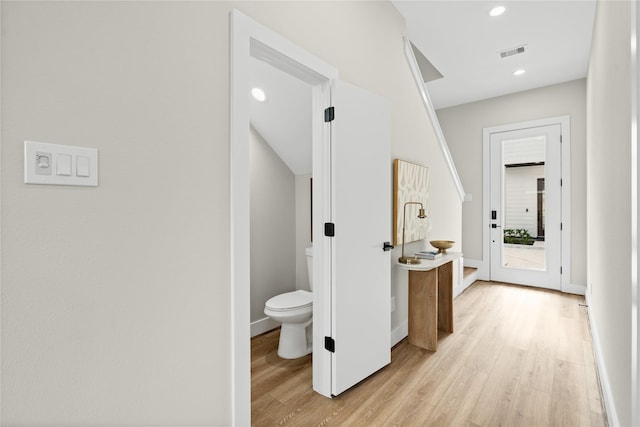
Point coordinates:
[(511, 52)]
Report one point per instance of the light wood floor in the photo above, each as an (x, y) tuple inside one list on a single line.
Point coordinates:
[(519, 357)]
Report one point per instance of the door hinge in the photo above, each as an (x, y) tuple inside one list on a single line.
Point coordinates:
[(329, 229), (560, 138), (560, 226), (329, 114), (329, 344), (560, 270), (560, 182)]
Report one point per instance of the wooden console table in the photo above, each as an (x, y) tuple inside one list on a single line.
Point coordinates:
[(430, 299)]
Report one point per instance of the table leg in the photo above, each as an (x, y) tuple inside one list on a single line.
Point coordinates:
[(423, 309), (445, 297)]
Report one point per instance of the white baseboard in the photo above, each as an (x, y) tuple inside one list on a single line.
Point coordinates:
[(612, 415), (399, 333), (572, 288), (263, 325)]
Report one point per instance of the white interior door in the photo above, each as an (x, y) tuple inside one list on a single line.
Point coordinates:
[(526, 206), (361, 208)]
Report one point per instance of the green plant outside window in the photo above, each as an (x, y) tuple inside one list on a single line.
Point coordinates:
[(518, 236)]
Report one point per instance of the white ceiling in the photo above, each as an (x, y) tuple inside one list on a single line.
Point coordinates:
[(462, 41)]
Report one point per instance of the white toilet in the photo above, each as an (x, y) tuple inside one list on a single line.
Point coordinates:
[(294, 311)]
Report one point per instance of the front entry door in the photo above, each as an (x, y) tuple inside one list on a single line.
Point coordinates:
[(525, 208), (361, 210)]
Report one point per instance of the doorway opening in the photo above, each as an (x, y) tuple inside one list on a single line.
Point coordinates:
[(251, 41), (280, 209), (351, 340), (281, 163)]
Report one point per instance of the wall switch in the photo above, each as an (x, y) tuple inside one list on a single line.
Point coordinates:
[(72, 165), (82, 166), (63, 164)]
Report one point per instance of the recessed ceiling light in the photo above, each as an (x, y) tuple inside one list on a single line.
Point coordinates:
[(519, 72), (258, 94), (497, 11)]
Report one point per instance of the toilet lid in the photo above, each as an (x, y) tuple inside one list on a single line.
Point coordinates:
[(290, 300)]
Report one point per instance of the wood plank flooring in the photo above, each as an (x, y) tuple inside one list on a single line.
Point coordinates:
[(519, 357)]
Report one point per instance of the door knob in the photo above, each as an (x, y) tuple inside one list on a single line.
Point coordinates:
[(386, 246)]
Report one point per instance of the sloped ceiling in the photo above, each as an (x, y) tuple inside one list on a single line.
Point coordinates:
[(462, 42), (284, 119)]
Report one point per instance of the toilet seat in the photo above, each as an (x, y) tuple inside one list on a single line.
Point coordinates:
[(290, 301)]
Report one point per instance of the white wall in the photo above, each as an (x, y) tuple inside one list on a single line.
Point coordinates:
[(609, 202), (116, 300), (273, 226), (303, 229), (462, 126)]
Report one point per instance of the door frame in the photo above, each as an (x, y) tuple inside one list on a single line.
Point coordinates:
[(251, 39), (565, 194)]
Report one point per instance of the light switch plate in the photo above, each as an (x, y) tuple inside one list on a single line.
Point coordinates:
[(63, 164), (54, 164)]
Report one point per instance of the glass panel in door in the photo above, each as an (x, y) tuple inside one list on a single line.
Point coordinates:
[(523, 203)]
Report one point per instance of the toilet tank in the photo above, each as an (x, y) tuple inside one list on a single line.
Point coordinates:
[(309, 252)]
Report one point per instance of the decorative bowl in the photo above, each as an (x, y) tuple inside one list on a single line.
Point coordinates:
[(442, 245)]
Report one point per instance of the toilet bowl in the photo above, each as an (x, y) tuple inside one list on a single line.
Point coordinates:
[(294, 311)]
